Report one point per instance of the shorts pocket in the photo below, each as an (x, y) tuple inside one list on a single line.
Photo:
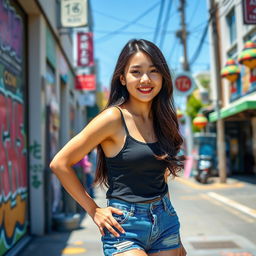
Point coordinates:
[(170, 210), (121, 219)]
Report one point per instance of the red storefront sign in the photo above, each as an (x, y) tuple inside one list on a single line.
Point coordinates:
[(85, 82), (249, 11), (84, 49)]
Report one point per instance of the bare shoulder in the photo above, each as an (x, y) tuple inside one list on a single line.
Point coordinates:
[(102, 128), (109, 118)]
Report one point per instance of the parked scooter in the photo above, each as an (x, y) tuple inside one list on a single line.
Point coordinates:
[(205, 164)]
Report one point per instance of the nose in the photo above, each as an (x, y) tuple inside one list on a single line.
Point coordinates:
[(145, 78)]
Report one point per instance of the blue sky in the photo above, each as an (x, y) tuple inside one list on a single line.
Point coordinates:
[(111, 15)]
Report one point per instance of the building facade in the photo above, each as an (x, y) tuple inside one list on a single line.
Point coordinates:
[(237, 97), (39, 112)]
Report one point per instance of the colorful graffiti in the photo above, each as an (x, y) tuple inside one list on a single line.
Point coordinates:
[(13, 148), (11, 31), (13, 170)]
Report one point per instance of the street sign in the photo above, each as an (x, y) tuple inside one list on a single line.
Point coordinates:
[(184, 84), (249, 11), (74, 13)]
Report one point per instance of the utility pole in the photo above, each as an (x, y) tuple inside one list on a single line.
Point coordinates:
[(221, 148), (182, 34)]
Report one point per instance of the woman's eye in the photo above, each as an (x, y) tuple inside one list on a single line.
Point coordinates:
[(154, 71), (135, 71)]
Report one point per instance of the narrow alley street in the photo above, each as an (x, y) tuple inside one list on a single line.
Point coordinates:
[(209, 226)]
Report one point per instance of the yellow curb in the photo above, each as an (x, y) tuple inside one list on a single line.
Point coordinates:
[(73, 250), (78, 242), (209, 186)]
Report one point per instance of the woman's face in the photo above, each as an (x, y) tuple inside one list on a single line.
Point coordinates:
[(141, 78)]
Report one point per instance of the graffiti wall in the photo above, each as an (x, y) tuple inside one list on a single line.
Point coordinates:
[(13, 149)]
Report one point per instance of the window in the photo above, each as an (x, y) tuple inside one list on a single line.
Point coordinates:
[(231, 22)]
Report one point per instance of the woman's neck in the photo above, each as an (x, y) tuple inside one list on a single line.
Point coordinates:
[(141, 110)]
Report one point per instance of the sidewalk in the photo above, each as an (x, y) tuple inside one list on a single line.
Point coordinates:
[(83, 241)]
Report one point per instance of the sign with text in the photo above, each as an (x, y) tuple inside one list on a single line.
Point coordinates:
[(184, 84), (84, 49), (85, 82), (74, 13), (249, 11)]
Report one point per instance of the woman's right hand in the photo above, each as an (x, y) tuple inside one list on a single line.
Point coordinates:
[(104, 219)]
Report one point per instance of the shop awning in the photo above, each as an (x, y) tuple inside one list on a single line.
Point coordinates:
[(232, 110)]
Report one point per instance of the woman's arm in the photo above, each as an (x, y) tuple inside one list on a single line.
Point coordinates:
[(100, 129)]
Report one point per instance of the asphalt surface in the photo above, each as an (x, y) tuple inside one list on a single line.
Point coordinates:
[(216, 219)]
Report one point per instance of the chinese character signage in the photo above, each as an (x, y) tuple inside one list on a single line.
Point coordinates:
[(74, 13), (249, 11), (84, 49), (85, 82)]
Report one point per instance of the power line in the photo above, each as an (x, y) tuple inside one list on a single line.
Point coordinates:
[(117, 31), (198, 50), (120, 20), (165, 24), (158, 20), (132, 33)]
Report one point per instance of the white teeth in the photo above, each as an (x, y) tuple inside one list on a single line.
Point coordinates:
[(145, 89)]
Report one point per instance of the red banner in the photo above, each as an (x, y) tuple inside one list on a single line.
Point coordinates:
[(249, 9), (86, 82), (84, 49)]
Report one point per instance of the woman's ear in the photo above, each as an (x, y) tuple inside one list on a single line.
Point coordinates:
[(122, 80)]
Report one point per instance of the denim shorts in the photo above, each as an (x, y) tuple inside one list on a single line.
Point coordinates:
[(152, 227)]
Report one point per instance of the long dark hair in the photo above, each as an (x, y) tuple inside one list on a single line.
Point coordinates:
[(165, 120)]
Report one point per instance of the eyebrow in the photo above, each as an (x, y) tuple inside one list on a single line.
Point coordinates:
[(139, 66)]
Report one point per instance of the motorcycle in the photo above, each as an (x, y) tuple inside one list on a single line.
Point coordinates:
[(205, 164)]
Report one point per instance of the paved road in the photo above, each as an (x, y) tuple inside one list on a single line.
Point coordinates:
[(209, 226)]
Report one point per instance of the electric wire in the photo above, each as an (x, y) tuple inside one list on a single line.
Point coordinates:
[(120, 20), (117, 31), (165, 24), (158, 20)]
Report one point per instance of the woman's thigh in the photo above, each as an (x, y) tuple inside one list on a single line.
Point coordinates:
[(134, 252), (175, 252)]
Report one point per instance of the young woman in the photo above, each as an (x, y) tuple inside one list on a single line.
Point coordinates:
[(138, 141)]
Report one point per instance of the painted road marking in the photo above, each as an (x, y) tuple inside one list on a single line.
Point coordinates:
[(234, 204), (237, 213), (209, 186), (73, 250)]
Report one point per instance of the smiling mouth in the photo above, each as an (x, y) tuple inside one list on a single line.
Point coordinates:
[(145, 90)]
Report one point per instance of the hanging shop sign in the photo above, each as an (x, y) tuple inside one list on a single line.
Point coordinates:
[(249, 11), (85, 82), (74, 13), (184, 84), (84, 49)]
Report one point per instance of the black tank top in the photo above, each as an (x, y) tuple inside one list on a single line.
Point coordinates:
[(134, 174)]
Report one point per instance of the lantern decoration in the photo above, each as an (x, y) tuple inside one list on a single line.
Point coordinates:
[(231, 70), (179, 113), (248, 56), (200, 121)]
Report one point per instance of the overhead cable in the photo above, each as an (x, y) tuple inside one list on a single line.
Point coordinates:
[(160, 14), (117, 31)]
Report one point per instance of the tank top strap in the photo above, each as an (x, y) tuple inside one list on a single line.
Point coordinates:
[(123, 120)]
